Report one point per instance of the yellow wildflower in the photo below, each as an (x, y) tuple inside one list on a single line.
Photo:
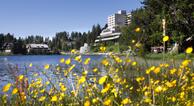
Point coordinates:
[(174, 82), (95, 70), (71, 67), (138, 44), (73, 51), (158, 89), (114, 91), (54, 98), (128, 60), (126, 101), (186, 62), (87, 61), (63, 88), (87, 103), (46, 66), (68, 61), (107, 87), (133, 41), (107, 102), (105, 62), (85, 72), (23, 96), (139, 79), (94, 100), (148, 100), (42, 91), (146, 93), (47, 83), (148, 71), (62, 60), (20, 77), (15, 90), (78, 58), (182, 94), (102, 49), (102, 80), (58, 68), (173, 99), (172, 71), (165, 38), (30, 65), (189, 50), (118, 60), (152, 68), (168, 84), (82, 80), (6, 87), (42, 98), (134, 63), (156, 70), (137, 29), (131, 88)]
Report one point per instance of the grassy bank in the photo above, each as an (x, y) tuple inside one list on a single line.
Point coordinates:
[(160, 56), (5, 54)]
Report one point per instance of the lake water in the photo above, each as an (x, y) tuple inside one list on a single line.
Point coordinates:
[(10, 64)]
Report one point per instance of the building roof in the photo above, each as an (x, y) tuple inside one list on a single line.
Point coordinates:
[(106, 39), (37, 45)]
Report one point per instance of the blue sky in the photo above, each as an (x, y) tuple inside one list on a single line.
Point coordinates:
[(46, 17)]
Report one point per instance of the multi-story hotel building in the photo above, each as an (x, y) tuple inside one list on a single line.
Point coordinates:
[(115, 21)]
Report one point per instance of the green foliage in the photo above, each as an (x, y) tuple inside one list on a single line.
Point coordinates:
[(62, 41), (179, 22)]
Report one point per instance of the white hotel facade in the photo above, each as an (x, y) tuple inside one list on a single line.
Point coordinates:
[(115, 21)]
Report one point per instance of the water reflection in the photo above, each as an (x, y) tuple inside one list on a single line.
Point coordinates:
[(11, 66)]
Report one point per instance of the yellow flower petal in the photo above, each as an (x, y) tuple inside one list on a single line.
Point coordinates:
[(137, 29), (95, 70), (82, 80), (73, 51), (189, 50), (102, 49), (126, 101), (46, 66), (156, 70), (134, 63), (15, 90), (30, 65), (158, 89), (165, 38), (107, 102), (54, 98), (20, 77), (68, 61), (87, 61), (78, 58), (42, 98), (62, 60), (102, 80), (6, 87), (87, 103), (105, 62)]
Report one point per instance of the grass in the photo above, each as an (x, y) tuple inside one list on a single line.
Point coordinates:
[(160, 56), (5, 54)]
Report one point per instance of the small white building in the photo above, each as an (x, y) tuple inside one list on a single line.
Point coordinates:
[(8, 47), (37, 48), (84, 49)]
